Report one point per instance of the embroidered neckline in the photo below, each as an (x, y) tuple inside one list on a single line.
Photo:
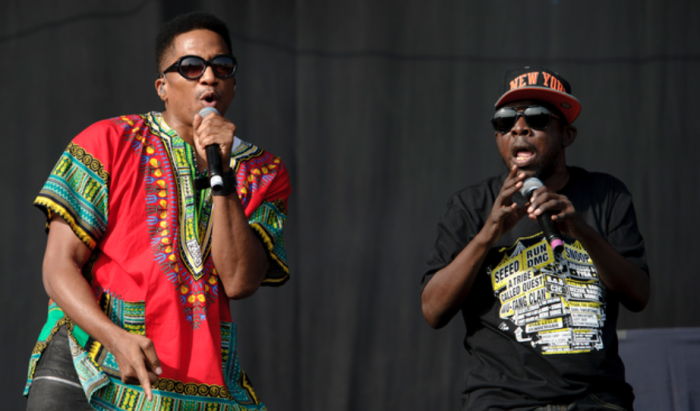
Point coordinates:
[(195, 206)]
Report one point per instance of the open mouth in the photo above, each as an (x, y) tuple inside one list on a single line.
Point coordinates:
[(523, 156), (209, 98)]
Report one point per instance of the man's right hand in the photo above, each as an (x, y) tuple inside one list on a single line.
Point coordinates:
[(137, 360), (446, 292), (505, 213)]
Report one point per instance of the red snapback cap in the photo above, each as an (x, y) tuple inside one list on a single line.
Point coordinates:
[(538, 83)]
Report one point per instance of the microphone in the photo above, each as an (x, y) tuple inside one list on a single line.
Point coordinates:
[(213, 157), (549, 227)]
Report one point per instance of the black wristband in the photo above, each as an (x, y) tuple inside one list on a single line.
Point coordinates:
[(229, 184)]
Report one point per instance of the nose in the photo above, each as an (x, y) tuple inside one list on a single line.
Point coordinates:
[(520, 128), (208, 76)]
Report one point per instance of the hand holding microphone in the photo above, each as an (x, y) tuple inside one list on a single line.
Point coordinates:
[(213, 157), (549, 227)]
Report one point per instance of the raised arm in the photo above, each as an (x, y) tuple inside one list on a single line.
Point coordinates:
[(620, 275), (239, 256), (449, 287), (238, 253)]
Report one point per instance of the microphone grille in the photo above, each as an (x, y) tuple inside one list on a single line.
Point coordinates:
[(208, 110), (530, 185)]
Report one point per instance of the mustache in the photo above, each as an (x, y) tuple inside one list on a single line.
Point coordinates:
[(202, 93), (522, 146)]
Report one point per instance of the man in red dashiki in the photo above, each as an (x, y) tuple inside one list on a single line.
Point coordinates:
[(142, 258)]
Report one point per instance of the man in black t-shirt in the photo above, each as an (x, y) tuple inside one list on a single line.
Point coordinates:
[(540, 324)]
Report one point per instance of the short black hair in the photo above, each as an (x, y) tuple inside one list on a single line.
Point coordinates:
[(184, 23)]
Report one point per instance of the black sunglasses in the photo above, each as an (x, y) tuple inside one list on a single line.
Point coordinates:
[(192, 67), (536, 117)]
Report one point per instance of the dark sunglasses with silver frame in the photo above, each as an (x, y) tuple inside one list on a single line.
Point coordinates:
[(536, 117), (193, 67)]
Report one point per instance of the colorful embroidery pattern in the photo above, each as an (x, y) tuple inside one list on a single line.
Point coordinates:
[(254, 168), (117, 397), (91, 376), (267, 221), (171, 198), (168, 224), (236, 379), (131, 316), (134, 129), (77, 191), (192, 389), (97, 369), (195, 242)]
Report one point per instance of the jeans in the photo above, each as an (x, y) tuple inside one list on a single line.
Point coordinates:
[(56, 386)]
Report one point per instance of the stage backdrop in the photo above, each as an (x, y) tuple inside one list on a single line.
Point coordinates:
[(380, 109)]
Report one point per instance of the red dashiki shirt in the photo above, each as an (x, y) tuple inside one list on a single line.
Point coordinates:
[(126, 188)]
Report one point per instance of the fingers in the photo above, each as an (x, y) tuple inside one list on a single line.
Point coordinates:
[(145, 381), (513, 183), (522, 210), (138, 362), (543, 201), (564, 215), (513, 177), (215, 130), (214, 126), (151, 357), (197, 121), (504, 205), (505, 213)]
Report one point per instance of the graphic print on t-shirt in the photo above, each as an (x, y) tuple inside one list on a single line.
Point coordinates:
[(554, 302)]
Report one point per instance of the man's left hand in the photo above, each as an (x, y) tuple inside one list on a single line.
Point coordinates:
[(563, 211)]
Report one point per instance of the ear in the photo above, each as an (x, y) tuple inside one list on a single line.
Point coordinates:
[(569, 134), (234, 87), (160, 88)]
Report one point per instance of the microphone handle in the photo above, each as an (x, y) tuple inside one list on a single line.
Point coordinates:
[(551, 231), (215, 167)]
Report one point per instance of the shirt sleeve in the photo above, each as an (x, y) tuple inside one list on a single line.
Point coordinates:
[(456, 229), (78, 187), (623, 232), (268, 218)]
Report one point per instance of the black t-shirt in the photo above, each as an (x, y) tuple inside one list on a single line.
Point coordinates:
[(540, 325)]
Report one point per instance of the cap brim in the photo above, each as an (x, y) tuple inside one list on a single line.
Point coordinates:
[(566, 103)]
